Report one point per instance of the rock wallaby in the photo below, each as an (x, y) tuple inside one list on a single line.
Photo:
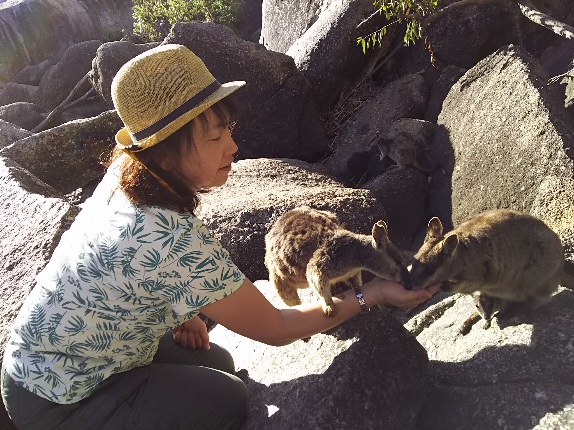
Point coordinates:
[(510, 261), (405, 154), (308, 247)]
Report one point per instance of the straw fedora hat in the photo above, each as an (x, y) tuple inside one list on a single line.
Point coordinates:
[(159, 91)]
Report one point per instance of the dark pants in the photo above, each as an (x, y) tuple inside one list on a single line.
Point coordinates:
[(181, 389)]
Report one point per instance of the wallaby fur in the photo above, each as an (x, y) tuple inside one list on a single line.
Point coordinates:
[(405, 154), (308, 247), (510, 261)]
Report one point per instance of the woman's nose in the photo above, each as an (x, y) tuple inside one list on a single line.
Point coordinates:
[(232, 146)]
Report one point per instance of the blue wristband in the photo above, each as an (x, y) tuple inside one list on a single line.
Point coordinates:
[(361, 299)]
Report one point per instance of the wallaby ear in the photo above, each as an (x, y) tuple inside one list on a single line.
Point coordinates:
[(450, 243), (434, 229), (380, 233)]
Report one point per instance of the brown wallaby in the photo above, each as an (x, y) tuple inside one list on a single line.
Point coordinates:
[(406, 144), (308, 247), (405, 154), (510, 261)]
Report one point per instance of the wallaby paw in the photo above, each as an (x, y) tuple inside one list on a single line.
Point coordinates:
[(329, 310), (465, 328)]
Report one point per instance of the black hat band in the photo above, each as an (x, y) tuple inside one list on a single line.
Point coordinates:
[(181, 110)]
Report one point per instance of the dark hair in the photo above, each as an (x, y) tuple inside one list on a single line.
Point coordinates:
[(143, 188)]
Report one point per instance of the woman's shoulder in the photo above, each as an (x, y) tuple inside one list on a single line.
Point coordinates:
[(109, 209), (169, 222)]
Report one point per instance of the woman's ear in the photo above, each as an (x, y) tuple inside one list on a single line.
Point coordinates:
[(165, 164)]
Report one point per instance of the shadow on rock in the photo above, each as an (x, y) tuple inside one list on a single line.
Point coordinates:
[(338, 399), (518, 374)]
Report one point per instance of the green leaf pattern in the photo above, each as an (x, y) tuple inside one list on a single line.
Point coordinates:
[(121, 277)]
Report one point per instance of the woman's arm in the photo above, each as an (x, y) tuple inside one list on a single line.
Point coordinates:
[(247, 312)]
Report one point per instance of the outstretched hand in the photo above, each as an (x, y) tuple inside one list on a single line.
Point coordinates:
[(395, 294), (192, 334)]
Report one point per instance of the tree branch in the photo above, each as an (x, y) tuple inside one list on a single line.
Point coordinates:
[(546, 21), (568, 75), (67, 103), (430, 19), (367, 19), (525, 6)]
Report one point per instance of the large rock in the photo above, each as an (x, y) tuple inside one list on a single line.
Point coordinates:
[(404, 98), (109, 58), (403, 193), (250, 23), (61, 79), (511, 135), (67, 157), (32, 219), (10, 133), (557, 58), (34, 30), (328, 54), (15, 93), (282, 23), (560, 10), (554, 201), (515, 376), (23, 114), (32, 75), (471, 31), (278, 115), (367, 374), (258, 191), (569, 92), (449, 75)]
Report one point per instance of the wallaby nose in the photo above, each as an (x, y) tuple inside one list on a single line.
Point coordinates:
[(408, 284), (406, 279)]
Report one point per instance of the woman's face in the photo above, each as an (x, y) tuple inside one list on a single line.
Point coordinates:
[(206, 162)]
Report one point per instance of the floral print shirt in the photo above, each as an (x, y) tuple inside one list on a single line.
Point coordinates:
[(121, 276)]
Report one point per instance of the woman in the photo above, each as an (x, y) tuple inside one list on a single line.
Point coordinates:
[(92, 346)]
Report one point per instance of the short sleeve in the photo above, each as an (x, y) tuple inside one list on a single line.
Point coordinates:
[(196, 269)]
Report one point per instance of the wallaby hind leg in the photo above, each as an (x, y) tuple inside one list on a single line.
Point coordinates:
[(285, 289), (513, 309), (289, 295), (540, 293), (486, 307)]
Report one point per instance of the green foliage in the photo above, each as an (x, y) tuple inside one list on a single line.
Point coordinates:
[(410, 12), (153, 18)]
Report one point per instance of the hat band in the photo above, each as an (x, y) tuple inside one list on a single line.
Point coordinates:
[(172, 116)]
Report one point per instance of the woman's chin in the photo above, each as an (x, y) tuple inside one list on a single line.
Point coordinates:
[(220, 180)]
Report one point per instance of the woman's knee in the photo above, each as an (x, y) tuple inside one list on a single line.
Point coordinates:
[(236, 404), (170, 352), (222, 359)]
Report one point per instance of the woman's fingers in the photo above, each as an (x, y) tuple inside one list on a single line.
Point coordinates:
[(191, 339)]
